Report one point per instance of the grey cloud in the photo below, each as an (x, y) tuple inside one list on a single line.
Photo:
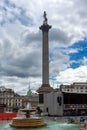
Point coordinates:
[(19, 60), (11, 13), (59, 36), (23, 66), (31, 38), (22, 57), (81, 4), (59, 63)]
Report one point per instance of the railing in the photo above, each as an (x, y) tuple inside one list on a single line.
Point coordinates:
[(75, 106)]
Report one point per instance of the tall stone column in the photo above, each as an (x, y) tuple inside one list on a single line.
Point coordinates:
[(45, 88), (45, 54)]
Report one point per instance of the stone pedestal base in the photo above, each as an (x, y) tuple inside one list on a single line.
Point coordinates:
[(45, 88)]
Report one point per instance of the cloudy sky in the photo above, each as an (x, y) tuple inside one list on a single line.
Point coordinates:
[(21, 42)]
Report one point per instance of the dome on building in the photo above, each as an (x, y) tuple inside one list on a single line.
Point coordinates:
[(29, 92)]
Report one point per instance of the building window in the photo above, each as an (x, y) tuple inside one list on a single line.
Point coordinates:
[(81, 87)]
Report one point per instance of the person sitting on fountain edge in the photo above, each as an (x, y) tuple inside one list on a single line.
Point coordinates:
[(38, 110)]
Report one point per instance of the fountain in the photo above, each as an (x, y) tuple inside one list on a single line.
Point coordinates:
[(27, 119)]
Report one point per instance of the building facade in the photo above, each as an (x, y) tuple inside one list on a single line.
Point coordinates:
[(75, 87), (71, 100), (11, 101), (32, 98)]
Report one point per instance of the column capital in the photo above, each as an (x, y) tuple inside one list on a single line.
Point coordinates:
[(45, 28)]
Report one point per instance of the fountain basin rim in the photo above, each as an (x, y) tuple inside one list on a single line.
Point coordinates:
[(27, 118), (27, 110)]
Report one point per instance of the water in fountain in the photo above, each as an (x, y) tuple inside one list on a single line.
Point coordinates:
[(22, 114), (28, 107), (52, 125)]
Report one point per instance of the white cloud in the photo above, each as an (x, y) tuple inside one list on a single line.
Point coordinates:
[(71, 50), (72, 75), (21, 45), (84, 61), (17, 57)]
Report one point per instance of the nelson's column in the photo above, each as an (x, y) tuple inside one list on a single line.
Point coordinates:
[(45, 88)]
